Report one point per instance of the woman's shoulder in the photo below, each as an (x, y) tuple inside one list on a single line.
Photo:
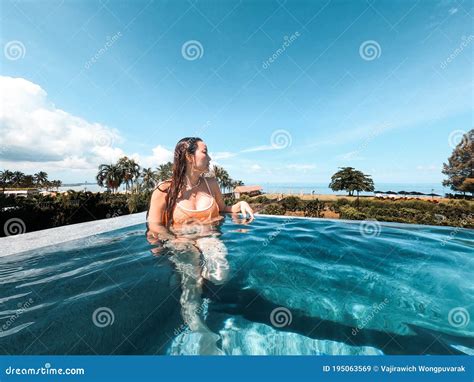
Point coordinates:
[(211, 179), (162, 187)]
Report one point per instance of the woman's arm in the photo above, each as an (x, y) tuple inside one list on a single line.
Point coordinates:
[(156, 227), (242, 207)]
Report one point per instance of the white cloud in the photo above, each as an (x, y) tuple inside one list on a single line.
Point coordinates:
[(160, 155), (222, 155), (429, 168), (261, 148), (35, 134), (300, 167), (255, 167)]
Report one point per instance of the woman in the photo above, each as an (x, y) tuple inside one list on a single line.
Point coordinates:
[(189, 197), (191, 200)]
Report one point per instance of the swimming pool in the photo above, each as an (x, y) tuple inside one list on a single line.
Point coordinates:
[(279, 285)]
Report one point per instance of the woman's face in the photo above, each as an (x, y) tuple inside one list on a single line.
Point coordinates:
[(201, 158)]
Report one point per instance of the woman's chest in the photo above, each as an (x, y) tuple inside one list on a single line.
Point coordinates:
[(195, 201)]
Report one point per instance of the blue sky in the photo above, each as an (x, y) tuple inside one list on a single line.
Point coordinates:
[(383, 86)]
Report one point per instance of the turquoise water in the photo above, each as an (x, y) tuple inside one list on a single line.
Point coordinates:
[(275, 286)]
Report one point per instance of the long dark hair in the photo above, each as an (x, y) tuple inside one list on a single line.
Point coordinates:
[(185, 146)]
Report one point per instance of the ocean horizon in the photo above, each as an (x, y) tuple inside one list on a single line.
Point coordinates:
[(305, 188)]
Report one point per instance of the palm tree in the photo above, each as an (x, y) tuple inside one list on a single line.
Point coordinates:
[(56, 184), (110, 176), (41, 179), (149, 178), (131, 171), (17, 179), (164, 171), (5, 178), (222, 177)]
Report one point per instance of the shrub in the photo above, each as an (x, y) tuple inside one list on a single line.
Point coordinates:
[(314, 208), (291, 203), (273, 209), (261, 199), (350, 213)]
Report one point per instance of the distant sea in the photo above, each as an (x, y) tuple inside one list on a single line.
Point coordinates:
[(322, 188), (307, 188)]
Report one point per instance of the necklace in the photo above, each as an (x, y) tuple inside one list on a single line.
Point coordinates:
[(188, 187)]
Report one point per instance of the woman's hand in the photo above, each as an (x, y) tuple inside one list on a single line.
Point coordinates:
[(244, 208)]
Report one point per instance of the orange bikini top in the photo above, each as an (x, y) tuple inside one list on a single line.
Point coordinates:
[(182, 215)]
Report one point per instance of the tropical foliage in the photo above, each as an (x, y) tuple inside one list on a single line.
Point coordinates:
[(350, 179), (460, 166), (17, 179)]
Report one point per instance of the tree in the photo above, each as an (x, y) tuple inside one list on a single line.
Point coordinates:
[(460, 166), (149, 178), (130, 171), (17, 179), (6, 177), (110, 176), (351, 180), (41, 179), (165, 171)]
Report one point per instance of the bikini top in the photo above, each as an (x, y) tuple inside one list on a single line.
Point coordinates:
[(182, 215)]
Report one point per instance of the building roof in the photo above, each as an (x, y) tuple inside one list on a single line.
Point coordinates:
[(247, 188)]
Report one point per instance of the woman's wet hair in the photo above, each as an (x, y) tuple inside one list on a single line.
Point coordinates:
[(185, 146)]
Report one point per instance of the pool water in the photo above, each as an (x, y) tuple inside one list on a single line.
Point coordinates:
[(274, 286)]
